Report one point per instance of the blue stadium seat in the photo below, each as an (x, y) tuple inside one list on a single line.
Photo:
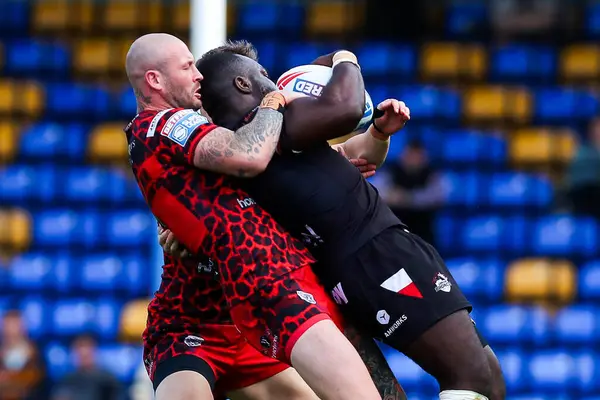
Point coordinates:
[(593, 19), (20, 182), (518, 189), (430, 102), (90, 184), (121, 360), (48, 140), (561, 235), (577, 324), (474, 147), (589, 280), (514, 368), (512, 324), (66, 227), (72, 316), (101, 272), (37, 59), (519, 62), (406, 371), (558, 104), (300, 54), (77, 100), (379, 93), (553, 370), (463, 18), (483, 233), (14, 17), (270, 17), (462, 189), (32, 272), (127, 103), (58, 360), (35, 311), (130, 228), (107, 315), (478, 279), (268, 51), (588, 371), (445, 234), (383, 59)]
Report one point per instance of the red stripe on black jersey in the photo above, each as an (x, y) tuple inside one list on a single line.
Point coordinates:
[(205, 212)]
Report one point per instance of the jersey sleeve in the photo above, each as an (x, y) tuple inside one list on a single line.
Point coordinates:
[(177, 133)]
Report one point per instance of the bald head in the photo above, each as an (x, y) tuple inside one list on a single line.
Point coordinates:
[(155, 66)]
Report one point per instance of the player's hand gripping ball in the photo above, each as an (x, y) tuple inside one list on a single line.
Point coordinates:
[(309, 80)]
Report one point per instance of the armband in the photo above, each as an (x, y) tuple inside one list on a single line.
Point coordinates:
[(344, 56)]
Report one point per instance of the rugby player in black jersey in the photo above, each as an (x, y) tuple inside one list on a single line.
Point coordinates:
[(392, 285)]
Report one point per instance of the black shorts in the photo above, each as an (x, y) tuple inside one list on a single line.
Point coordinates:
[(395, 287)]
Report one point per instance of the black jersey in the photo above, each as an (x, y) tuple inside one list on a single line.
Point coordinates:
[(321, 198)]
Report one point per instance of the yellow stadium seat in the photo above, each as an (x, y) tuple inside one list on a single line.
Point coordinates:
[(92, 55), (56, 15), (541, 280), (108, 143), (133, 320), (580, 62), (497, 103), (542, 145), (8, 141), (182, 16), (334, 17), (15, 234), (453, 60), (21, 97), (127, 15)]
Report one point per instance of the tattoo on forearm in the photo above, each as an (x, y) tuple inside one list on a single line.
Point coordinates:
[(381, 373), (258, 138), (260, 134)]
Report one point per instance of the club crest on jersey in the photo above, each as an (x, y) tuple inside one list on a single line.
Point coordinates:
[(442, 283), (307, 297), (309, 88), (180, 126)]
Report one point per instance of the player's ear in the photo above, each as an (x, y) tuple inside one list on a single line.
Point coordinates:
[(243, 84)]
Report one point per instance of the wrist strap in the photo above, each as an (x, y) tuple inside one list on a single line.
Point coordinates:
[(378, 133), (344, 56), (275, 101)]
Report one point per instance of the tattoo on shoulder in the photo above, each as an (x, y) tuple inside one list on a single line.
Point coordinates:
[(381, 373)]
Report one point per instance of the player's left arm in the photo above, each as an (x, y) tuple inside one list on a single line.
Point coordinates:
[(381, 373), (373, 145), (336, 112)]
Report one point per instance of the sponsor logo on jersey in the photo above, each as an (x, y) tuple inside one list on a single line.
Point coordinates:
[(193, 341), (307, 297), (206, 267), (395, 325), (402, 284), (310, 88), (155, 121), (383, 317), (442, 283), (338, 294), (181, 125), (246, 202)]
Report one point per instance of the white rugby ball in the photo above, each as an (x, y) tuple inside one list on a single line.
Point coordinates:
[(310, 81)]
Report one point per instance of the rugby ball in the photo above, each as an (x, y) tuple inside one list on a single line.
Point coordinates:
[(310, 80)]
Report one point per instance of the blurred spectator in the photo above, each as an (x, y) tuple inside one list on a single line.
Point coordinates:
[(415, 191), (21, 371), (88, 381), (584, 174), (527, 19)]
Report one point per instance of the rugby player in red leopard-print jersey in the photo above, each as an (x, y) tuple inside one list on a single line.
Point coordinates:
[(178, 157)]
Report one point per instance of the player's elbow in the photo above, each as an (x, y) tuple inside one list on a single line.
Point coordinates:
[(255, 167)]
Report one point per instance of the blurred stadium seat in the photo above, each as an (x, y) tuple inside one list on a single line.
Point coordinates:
[(541, 280), (8, 141), (324, 17), (59, 15), (453, 60), (133, 320), (580, 62), (541, 146), (21, 98), (108, 143), (496, 103)]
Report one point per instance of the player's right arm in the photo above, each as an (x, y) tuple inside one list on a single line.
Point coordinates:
[(335, 113), (247, 151)]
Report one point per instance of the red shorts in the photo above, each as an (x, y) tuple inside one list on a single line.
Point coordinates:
[(217, 352), (274, 318)]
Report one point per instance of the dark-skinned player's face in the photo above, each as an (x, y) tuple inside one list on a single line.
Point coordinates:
[(258, 77)]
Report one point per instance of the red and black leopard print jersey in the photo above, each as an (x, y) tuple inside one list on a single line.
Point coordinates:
[(189, 295), (204, 211)]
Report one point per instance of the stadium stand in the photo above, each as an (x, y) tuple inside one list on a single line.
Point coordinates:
[(500, 121)]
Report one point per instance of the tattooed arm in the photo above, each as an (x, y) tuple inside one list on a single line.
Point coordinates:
[(381, 373), (247, 151)]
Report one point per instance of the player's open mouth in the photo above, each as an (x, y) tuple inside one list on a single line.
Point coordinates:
[(197, 94)]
